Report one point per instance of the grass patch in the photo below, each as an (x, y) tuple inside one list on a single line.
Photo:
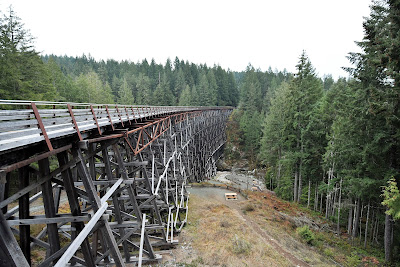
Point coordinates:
[(214, 235)]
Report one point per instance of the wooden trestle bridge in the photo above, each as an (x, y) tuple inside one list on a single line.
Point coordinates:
[(110, 180)]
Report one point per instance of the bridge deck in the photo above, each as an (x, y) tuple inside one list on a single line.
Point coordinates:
[(44, 121)]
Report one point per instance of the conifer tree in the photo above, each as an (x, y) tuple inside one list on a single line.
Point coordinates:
[(143, 89), (185, 98), (377, 69), (305, 91), (180, 83), (23, 74), (125, 96), (163, 96)]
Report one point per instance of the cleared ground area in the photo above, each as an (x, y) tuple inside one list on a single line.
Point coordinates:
[(238, 233)]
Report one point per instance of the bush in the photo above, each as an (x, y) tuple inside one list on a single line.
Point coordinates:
[(248, 208), (328, 252), (306, 234), (353, 260)]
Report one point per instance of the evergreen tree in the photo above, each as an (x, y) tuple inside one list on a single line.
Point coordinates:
[(272, 149), (204, 93), (143, 89), (251, 96), (23, 74), (212, 89), (125, 96), (163, 96), (92, 90), (194, 99), (180, 83), (63, 85), (377, 69), (305, 91), (185, 98)]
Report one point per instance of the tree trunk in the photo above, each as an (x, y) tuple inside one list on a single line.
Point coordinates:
[(334, 201), (270, 183), (376, 230), (366, 228), (300, 178), (388, 238), (327, 196), (316, 197), (338, 214), (356, 218), (278, 175), (320, 205), (295, 185), (359, 223), (350, 220), (309, 194)]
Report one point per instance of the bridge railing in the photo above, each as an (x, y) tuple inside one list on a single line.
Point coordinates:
[(24, 122)]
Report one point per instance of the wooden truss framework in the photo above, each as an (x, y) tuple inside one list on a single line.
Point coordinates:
[(111, 192)]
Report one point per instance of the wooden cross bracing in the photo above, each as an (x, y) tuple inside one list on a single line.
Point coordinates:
[(96, 186)]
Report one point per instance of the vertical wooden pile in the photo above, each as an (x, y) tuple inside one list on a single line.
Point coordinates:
[(97, 187)]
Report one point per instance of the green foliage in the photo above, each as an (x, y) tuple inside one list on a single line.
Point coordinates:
[(143, 89), (306, 234), (150, 84), (328, 252), (23, 75), (353, 260), (251, 128), (92, 90), (391, 195), (125, 96), (163, 96), (185, 98)]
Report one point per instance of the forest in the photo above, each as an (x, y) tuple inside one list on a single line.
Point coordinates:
[(331, 145), (27, 75)]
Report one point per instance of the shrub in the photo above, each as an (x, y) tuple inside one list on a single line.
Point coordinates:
[(353, 260), (248, 208), (328, 252), (306, 234)]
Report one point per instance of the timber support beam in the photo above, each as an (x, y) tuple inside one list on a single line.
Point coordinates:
[(87, 177)]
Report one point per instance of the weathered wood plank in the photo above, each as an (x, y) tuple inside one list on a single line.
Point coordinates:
[(64, 219), (74, 206), (48, 201), (133, 200), (14, 133), (10, 252), (18, 123), (25, 230), (96, 204)]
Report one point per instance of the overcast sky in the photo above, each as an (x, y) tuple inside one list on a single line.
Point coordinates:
[(229, 33)]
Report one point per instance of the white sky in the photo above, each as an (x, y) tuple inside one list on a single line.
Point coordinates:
[(229, 33)]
